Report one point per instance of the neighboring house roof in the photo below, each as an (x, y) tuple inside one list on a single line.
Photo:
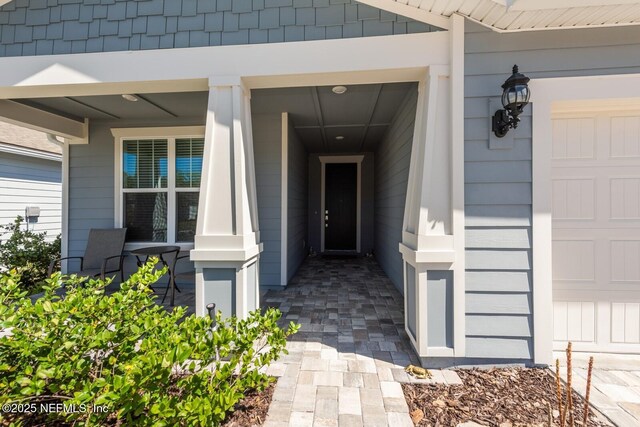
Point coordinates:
[(19, 140), (520, 15)]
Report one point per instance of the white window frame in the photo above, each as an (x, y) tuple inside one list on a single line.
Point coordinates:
[(170, 134)]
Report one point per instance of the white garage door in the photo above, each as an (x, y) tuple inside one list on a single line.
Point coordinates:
[(596, 230)]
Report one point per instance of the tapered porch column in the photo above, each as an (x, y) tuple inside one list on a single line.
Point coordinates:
[(433, 243), (227, 243)]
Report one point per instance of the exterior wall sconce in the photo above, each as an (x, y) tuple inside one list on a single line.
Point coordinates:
[(515, 96)]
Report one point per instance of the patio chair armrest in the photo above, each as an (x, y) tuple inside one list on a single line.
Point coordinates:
[(103, 269), (55, 261)]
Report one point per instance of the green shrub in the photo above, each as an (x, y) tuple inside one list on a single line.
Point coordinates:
[(28, 252), (126, 355)]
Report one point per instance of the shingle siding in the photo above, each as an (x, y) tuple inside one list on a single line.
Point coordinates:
[(40, 27)]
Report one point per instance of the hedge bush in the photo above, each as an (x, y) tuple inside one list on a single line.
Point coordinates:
[(120, 359), (28, 252)]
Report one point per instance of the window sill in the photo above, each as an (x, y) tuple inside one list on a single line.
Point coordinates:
[(137, 245)]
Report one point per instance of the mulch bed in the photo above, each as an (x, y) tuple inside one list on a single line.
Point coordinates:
[(249, 412), (501, 397), (252, 410)]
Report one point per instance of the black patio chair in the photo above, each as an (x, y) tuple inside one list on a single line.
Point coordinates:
[(103, 254)]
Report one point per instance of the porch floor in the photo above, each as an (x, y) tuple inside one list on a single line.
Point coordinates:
[(345, 364)]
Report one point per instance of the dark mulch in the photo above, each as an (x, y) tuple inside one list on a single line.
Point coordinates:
[(249, 412), (494, 397), (252, 410)]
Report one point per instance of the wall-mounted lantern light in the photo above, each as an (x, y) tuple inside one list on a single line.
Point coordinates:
[(515, 96)]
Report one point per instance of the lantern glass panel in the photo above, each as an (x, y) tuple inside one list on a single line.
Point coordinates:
[(515, 97), (523, 94), (509, 98)]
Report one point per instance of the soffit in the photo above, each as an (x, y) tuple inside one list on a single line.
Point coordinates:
[(522, 15), (115, 107), (360, 116)]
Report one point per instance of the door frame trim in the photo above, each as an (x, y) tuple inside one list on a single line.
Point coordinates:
[(341, 159)]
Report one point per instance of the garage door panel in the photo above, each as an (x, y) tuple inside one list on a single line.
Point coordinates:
[(596, 231), (574, 321), (625, 261), (573, 260), (625, 137), (625, 323), (573, 138), (625, 198), (573, 198)]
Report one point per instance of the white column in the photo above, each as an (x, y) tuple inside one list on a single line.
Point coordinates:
[(227, 248), (432, 244)]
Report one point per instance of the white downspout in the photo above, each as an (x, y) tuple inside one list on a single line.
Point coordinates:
[(64, 243)]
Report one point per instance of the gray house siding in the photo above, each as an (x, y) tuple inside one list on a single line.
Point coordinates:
[(498, 187), (298, 202), (80, 26), (29, 181), (267, 146), (393, 156)]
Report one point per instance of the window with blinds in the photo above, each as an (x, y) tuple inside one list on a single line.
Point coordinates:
[(160, 188), (189, 153)]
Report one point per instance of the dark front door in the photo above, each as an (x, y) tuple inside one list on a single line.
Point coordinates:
[(341, 192)]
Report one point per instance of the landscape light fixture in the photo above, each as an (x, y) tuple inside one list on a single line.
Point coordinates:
[(515, 96)]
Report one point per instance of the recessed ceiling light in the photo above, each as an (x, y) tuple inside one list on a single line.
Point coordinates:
[(339, 89), (339, 137), (130, 97)]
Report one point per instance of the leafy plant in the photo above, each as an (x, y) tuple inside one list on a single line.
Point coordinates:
[(28, 252), (122, 359)]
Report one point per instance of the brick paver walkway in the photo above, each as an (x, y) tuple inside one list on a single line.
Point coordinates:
[(344, 365)]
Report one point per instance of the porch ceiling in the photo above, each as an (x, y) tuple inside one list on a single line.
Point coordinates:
[(114, 107), (361, 115)]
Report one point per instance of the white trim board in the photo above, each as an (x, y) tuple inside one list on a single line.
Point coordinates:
[(549, 95), (321, 62), (30, 152), (457, 184), (284, 199), (43, 121), (342, 159), (64, 211)]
